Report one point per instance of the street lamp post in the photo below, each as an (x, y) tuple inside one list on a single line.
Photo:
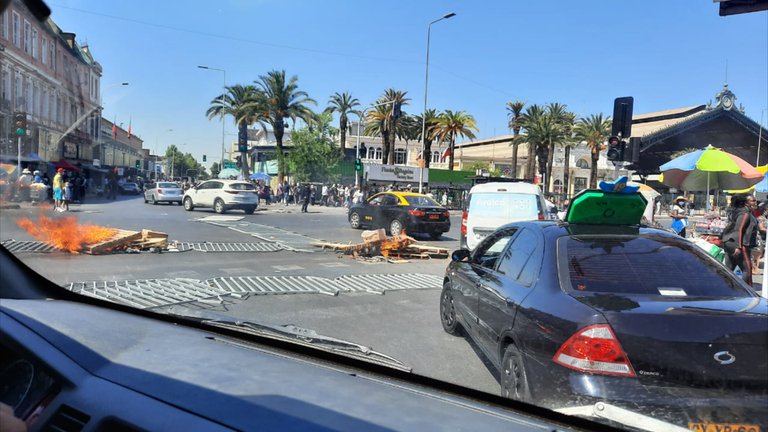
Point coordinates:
[(222, 116), (424, 114)]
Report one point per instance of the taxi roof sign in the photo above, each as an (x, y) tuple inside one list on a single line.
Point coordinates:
[(595, 207)]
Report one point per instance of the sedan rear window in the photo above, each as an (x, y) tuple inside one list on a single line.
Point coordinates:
[(645, 265), (417, 201), (167, 185), (504, 206), (242, 186)]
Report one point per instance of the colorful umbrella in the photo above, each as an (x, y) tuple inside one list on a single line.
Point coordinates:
[(648, 191), (7, 168), (707, 169), (760, 187), (229, 172)]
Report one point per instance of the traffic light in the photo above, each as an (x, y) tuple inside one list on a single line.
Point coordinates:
[(238, 162), (205, 159), (622, 117), (242, 139), (20, 123), (138, 164), (397, 110), (615, 149), (358, 165)]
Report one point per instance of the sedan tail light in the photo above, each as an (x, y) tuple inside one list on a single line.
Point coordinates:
[(417, 212), (595, 349), (159, 191), (447, 214), (541, 216), (464, 223)]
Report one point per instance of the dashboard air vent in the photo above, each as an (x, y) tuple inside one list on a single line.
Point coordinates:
[(67, 419)]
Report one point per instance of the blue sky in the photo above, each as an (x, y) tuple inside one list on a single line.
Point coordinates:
[(666, 54)]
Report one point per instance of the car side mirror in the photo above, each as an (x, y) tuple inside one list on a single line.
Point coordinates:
[(460, 255)]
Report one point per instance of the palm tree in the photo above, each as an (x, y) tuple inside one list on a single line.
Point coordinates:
[(344, 104), (429, 129), (568, 144), (408, 129), (515, 111), (594, 130), (563, 121), (244, 104), (283, 100), (452, 124), (376, 124), (532, 117), (381, 122)]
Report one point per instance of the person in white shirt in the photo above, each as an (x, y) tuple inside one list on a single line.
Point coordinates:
[(324, 195)]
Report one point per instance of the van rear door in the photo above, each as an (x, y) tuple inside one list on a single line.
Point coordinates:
[(487, 211)]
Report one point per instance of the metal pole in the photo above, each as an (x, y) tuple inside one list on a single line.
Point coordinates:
[(18, 160), (222, 122), (759, 138), (357, 150), (424, 113)]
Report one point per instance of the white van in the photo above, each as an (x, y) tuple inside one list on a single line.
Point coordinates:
[(491, 205)]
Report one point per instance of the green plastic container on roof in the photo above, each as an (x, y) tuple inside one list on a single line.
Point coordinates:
[(595, 207)]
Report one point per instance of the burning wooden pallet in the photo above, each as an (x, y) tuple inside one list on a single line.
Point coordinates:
[(124, 240), (377, 243)]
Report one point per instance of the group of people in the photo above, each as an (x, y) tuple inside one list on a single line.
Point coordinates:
[(744, 234)]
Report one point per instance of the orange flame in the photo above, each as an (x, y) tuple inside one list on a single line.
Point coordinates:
[(65, 233), (392, 245)]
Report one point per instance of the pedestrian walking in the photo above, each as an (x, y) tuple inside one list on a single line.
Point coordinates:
[(68, 191), (58, 189), (739, 235), (324, 195), (306, 194), (679, 215), (286, 192)]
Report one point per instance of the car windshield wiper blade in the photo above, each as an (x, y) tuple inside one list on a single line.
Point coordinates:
[(292, 333)]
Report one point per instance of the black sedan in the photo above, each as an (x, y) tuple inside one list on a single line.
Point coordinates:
[(572, 315), (401, 211)]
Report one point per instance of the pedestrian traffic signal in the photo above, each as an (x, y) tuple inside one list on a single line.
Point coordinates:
[(615, 149), (358, 165), (242, 139), (138, 164), (20, 123), (205, 159)]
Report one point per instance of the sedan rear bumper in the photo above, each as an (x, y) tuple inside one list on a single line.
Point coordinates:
[(421, 226), (170, 198)]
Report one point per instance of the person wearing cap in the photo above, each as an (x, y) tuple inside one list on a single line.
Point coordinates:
[(679, 215), (58, 189)]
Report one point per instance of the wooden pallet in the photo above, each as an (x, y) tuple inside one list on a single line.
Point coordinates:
[(121, 240)]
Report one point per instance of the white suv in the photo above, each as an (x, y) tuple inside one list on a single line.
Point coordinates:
[(491, 205), (222, 195)]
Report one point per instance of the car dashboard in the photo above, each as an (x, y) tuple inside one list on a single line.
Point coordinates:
[(77, 367)]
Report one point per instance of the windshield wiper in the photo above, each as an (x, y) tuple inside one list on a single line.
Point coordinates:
[(292, 333)]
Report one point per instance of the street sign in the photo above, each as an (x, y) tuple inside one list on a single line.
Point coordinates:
[(230, 164)]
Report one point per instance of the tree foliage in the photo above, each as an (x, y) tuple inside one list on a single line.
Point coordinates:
[(181, 164), (313, 155)]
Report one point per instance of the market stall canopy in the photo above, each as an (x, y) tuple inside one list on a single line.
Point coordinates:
[(260, 176), (66, 165), (228, 173), (708, 169)]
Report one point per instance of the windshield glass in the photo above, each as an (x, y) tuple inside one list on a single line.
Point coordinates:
[(658, 266), (421, 201), (296, 146)]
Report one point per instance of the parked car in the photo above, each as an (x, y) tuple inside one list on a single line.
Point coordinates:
[(398, 211), (491, 205), (572, 314), (222, 195), (129, 188), (163, 192)]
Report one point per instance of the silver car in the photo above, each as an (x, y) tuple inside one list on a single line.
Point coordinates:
[(163, 192)]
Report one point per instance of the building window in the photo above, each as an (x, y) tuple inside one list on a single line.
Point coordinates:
[(29, 96), (400, 156), (5, 85), (44, 51), (4, 23), (44, 114), (54, 108), (435, 156), (377, 156), (579, 184), (34, 43), (18, 93), (27, 37), (582, 163), (36, 99), (53, 56), (16, 30), (557, 187)]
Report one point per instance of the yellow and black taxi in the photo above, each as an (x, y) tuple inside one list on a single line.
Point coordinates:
[(401, 211)]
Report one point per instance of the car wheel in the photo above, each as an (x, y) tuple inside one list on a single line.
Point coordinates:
[(514, 381), (218, 206), (395, 227), (145, 199), (448, 312), (153, 200), (435, 235), (250, 210), (354, 220), (188, 206)]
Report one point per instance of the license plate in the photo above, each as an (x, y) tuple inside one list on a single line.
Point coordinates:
[(723, 427), (434, 216)]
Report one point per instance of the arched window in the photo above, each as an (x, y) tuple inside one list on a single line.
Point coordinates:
[(435, 156), (582, 163), (558, 187), (377, 155), (400, 156)]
